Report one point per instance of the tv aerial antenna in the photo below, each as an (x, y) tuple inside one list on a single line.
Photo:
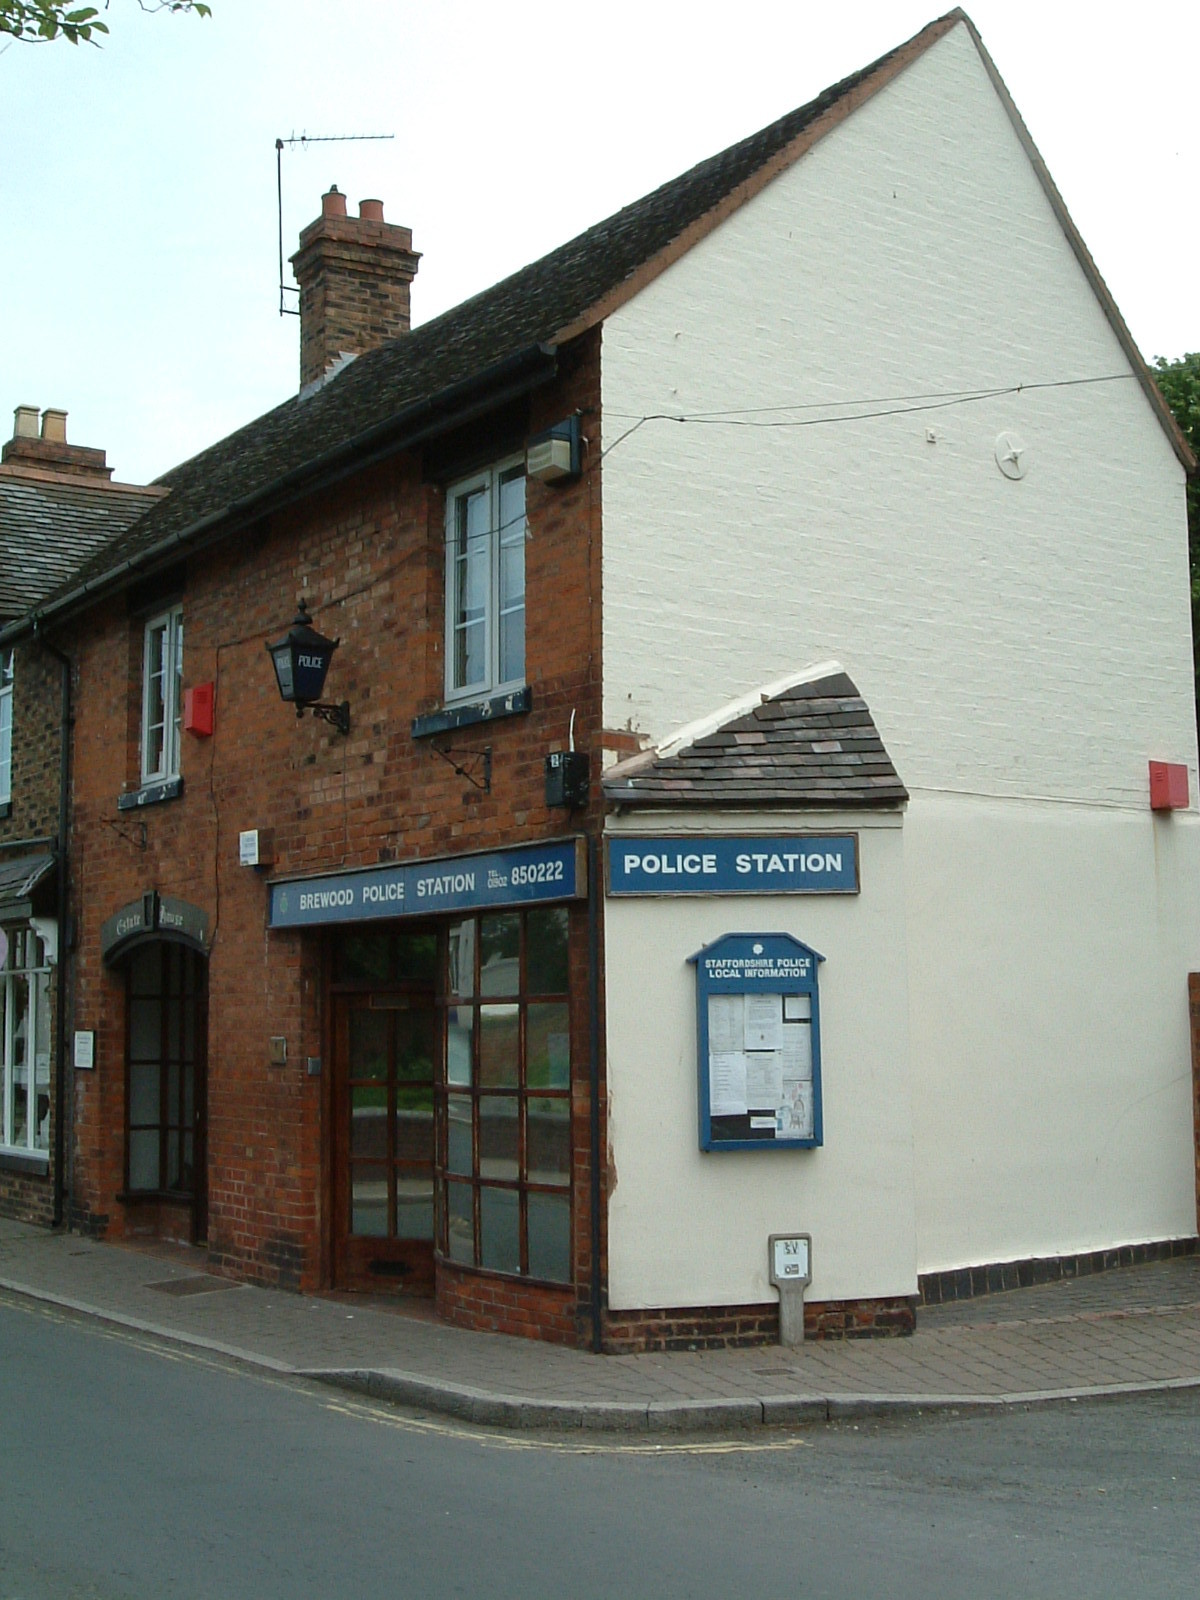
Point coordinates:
[(302, 139)]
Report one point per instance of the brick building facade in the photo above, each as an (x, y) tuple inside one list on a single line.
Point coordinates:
[(58, 506), (408, 991)]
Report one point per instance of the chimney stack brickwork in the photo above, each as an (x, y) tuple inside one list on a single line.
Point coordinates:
[(354, 275), (49, 450)]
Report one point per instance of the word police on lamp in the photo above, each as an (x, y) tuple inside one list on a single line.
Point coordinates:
[(301, 660)]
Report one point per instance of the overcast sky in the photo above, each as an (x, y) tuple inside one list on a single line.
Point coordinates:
[(139, 250)]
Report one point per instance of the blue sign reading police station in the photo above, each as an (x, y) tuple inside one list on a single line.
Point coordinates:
[(527, 875), (799, 863)]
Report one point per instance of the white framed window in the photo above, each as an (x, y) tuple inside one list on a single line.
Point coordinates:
[(162, 695), (6, 725), (24, 1043), (485, 581)]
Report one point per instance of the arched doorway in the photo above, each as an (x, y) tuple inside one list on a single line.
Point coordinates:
[(165, 1084)]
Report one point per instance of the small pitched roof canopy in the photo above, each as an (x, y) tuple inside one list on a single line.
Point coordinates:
[(809, 742), (504, 340), (21, 878)]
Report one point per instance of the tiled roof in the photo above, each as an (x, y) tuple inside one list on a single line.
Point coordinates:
[(20, 877), (48, 530), (376, 402), (811, 744), (533, 307)]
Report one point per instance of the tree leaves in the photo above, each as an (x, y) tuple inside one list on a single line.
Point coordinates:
[(1179, 382), (39, 21)]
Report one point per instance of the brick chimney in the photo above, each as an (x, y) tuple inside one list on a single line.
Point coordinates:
[(49, 450), (354, 274)]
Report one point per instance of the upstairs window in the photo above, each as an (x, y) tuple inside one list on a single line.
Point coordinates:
[(6, 725), (485, 581), (162, 695)]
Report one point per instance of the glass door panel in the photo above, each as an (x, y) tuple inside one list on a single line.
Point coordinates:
[(386, 1042)]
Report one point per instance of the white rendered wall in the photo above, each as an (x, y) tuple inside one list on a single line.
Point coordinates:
[(1023, 646), (1049, 948), (1021, 638), (690, 1228)]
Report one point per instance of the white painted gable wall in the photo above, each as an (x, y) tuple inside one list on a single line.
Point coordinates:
[(1019, 638), (1023, 646)]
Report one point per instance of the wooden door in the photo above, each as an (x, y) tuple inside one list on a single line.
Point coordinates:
[(385, 1048)]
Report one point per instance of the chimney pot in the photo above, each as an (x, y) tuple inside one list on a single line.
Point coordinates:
[(54, 426), (25, 422), (370, 210), (333, 204)]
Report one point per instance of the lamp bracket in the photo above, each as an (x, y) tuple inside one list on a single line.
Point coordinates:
[(138, 842), (476, 761), (338, 714)]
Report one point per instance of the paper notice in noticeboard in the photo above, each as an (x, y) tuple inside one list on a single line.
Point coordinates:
[(764, 1079), (764, 1021), (797, 1051), (795, 1118), (726, 1024), (727, 1083)]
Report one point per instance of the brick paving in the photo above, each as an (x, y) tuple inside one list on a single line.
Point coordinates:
[(1133, 1328)]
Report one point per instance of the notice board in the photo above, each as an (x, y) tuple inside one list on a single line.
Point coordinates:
[(758, 1032)]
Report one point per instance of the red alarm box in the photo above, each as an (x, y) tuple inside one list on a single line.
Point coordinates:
[(1168, 786), (198, 709)]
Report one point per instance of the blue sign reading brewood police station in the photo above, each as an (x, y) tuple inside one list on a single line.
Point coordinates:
[(801, 863), (528, 875)]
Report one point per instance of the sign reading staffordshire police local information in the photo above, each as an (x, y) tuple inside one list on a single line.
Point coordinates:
[(528, 875), (802, 863), (758, 1031)]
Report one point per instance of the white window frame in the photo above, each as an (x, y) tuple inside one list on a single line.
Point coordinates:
[(160, 739), (26, 959), (486, 483), (7, 665)]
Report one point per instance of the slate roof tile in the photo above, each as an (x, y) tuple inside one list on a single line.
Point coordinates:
[(49, 529), (798, 765), (531, 307)]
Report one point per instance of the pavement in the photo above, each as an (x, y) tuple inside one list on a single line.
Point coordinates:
[(1125, 1331)]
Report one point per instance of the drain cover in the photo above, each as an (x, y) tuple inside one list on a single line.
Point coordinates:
[(204, 1284)]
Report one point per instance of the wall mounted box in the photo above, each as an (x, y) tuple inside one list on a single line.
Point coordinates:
[(198, 707), (256, 847), (1168, 786), (567, 778), (556, 454)]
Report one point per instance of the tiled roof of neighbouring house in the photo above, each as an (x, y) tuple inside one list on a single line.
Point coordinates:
[(812, 744), (48, 530)]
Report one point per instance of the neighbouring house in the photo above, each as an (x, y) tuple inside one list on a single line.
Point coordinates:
[(58, 507), (743, 780)]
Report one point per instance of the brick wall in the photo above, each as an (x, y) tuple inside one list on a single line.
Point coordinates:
[(728, 1327), (25, 1194), (367, 555)]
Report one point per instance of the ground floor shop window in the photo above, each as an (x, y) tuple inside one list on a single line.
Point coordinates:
[(25, 1042), (165, 1056), (504, 1146), (451, 1098)]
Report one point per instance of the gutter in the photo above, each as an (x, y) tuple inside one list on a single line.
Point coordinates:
[(424, 419)]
